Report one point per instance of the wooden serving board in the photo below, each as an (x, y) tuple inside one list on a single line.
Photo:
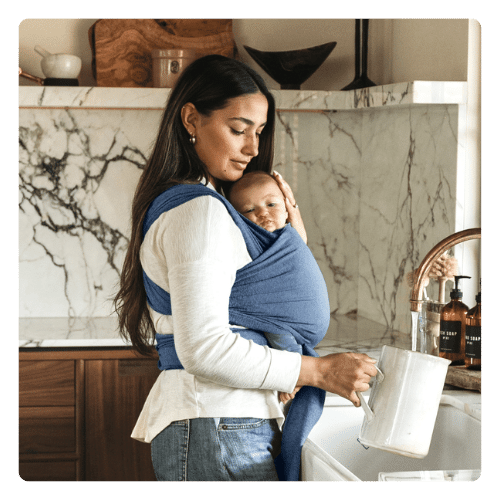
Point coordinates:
[(459, 376), (121, 48)]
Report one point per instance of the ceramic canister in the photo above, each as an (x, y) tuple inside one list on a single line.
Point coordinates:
[(168, 65), (403, 404)]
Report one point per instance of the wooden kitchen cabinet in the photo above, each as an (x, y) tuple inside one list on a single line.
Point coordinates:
[(47, 430), (47, 383), (50, 419), (115, 391), (76, 413)]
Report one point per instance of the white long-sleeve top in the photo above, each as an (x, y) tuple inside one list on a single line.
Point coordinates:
[(193, 252)]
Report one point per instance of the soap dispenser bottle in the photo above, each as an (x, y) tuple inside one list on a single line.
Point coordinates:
[(473, 336), (452, 327)]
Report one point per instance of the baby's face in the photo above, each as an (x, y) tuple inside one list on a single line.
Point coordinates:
[(262, 203)]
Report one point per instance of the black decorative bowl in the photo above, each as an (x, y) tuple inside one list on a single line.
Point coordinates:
[(291, 68)]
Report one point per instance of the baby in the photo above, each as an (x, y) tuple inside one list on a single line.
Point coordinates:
[(258, 197)]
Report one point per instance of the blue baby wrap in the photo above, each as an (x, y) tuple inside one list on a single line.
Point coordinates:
[(281, 292)]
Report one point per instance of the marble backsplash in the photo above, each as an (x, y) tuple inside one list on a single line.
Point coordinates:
[(376, 183), (78, 172), (374, 188)]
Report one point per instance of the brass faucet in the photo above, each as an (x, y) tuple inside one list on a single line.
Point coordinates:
[(431, 257)]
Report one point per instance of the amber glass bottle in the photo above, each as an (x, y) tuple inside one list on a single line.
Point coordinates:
[(452, 327), (473, 336)]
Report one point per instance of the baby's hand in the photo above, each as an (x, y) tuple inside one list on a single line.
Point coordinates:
[(284, 397)]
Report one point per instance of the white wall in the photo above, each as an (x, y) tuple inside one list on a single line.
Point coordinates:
[(288, 34), (68, 36), (400, 50), (429, 49), (472, 181)]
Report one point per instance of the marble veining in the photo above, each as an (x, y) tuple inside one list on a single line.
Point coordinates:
[(326, 188), (374, 173), (77, 176), (150, 98), (408, 199)]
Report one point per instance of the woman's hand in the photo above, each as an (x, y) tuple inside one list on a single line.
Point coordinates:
[(294, 217), (343, 373)]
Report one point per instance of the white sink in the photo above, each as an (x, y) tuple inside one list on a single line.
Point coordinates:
[(332, 452)]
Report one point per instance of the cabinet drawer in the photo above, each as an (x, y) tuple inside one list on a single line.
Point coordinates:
[(47, 430), (48, 471), (47, 383)]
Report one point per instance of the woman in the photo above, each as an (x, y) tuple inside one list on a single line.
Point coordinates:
[(213, 413)]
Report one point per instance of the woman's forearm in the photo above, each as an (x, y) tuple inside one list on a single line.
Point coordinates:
[(342, 373)]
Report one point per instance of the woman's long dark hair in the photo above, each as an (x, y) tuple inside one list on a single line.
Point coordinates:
[(208, 83)]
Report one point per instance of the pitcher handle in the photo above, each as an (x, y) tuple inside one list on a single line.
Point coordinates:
[(368, 411)]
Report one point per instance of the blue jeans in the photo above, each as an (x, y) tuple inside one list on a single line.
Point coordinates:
[(239, 449)]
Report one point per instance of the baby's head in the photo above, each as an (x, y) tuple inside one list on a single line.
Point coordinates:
[(258, 197)]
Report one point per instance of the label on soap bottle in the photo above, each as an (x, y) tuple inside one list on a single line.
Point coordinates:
[(473, 341), (450, 336)]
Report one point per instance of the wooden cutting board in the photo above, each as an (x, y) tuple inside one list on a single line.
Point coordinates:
[(121, 48), (459, 376)]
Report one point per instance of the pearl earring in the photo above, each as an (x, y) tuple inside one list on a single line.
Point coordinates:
[(192, 140)]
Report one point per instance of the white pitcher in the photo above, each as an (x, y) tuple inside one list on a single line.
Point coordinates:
[(404, 401)]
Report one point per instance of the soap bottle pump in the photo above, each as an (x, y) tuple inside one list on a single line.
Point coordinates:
[(473, 336), (452, 327)]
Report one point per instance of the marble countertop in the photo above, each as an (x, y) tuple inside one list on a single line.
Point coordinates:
[(346, 333), (397, 94), (69, 333)]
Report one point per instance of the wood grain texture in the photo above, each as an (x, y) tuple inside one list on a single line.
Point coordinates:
[(459, 376), (194, 28), (29, 354), (72, 414), (47, 471), (114, 399), (47, 383), (53, 412), (49, 429), (121, 48), (80, 418)]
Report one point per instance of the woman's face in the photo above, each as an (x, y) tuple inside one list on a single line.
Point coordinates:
[(228, 139)]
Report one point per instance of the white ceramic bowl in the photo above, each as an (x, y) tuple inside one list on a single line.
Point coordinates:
[(61, 66)]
